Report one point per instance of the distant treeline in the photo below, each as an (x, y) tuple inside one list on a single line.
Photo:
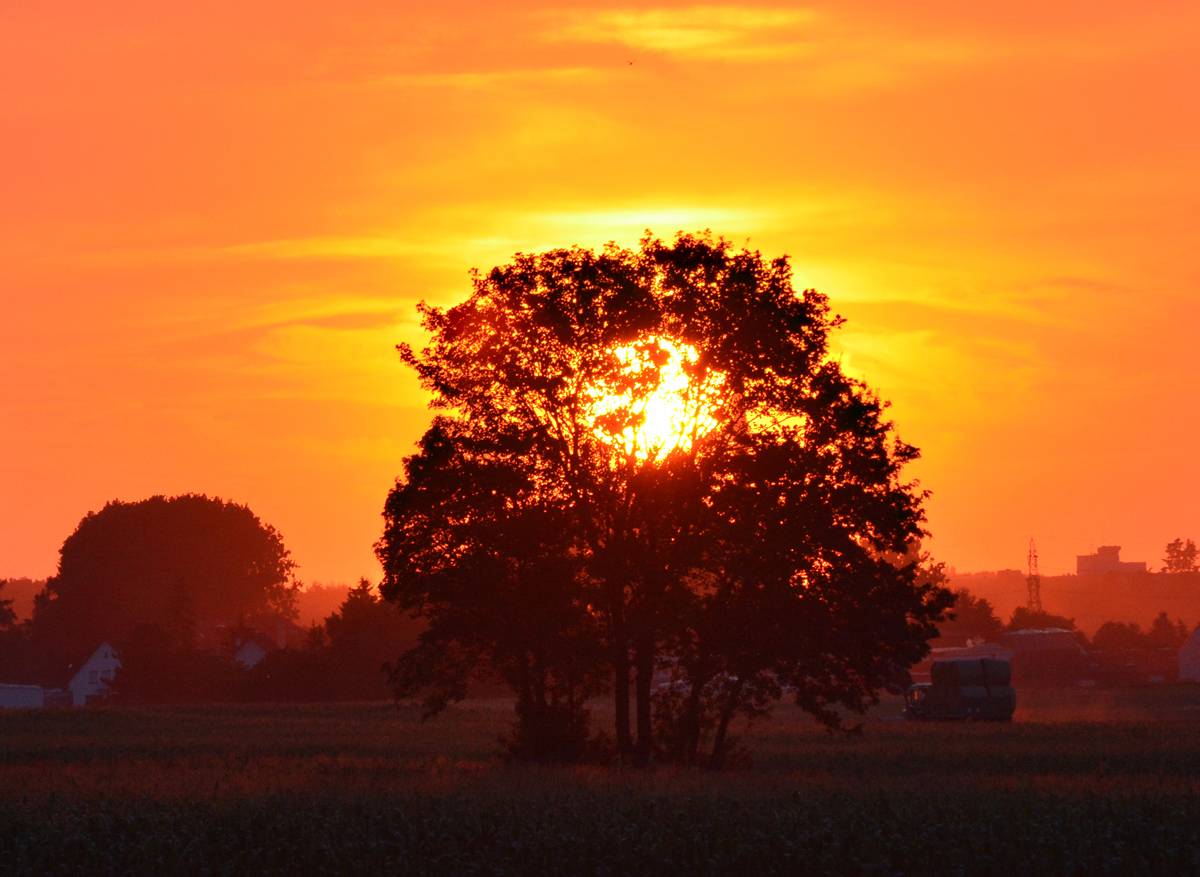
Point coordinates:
[(341, 659), (20, 592), (976, 619), (1092, 600)]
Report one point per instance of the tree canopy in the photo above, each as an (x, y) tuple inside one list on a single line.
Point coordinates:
[(1024, 618), (167, 562), (972, 617), (1181, 556), (648, 472), (1120, 635), (343, 658), (8, 617)]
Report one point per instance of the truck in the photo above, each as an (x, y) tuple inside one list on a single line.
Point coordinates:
[(979, 689)]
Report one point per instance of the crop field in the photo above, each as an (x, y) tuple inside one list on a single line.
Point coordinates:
[(1083, 782)]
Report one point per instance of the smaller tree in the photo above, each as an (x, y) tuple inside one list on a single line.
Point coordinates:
[(1115, 636), (8, 617), (365, 633), (972, 617), (1024, 618), (342, 659), (1165, 635), (1181, 557), (13, 657)]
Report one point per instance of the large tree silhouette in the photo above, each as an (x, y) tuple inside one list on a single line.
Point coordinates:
[(648, 462)]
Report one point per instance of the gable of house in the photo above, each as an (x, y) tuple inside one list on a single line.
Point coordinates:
[(92, 678), (253, 650)]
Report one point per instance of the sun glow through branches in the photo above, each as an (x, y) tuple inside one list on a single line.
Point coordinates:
[(661, 399)]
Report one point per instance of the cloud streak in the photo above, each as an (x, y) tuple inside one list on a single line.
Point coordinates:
[(702, 32), (828, 54)]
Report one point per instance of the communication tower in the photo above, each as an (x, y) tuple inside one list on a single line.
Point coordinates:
[(1034, 580)]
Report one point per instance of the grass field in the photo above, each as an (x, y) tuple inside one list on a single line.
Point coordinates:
[(1083, 782)]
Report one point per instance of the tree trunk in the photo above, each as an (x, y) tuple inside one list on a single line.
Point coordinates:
[(645, 729), (691, 725), (720, 740), (621, 704), (620, 663)]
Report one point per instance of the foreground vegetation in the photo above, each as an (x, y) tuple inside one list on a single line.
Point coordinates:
[(347, 788)]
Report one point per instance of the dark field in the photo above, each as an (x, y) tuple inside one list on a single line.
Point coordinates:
[(1084, 782)]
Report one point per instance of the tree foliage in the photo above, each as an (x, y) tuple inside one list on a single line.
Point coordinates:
[(1024, 618), (554, 535), (343, 659), (1121, 635), (1181, 557), (1165, 635), (157, 668), (166, 563), (972, 617), (8, 616), (361, 637)]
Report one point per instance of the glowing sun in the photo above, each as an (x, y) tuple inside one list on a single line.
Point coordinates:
[(659, 398)]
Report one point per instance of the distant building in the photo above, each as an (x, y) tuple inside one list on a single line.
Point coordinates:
[(29, 697), (1189, 657), (251, 651), (86, 681), (1106, 559), (225, 636)]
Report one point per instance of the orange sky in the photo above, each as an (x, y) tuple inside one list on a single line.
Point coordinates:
[(216, 219)]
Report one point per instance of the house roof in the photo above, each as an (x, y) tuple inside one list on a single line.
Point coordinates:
[(78, 657), (263, 641)]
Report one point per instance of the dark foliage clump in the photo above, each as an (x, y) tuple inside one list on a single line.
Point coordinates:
[(1024, 618), (343, 659), (972, 617), (167, 562), (157, 668), (1116, 636)]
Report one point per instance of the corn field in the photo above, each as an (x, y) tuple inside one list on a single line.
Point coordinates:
[(355, 789)]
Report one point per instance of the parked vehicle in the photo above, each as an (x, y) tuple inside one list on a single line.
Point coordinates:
[(978, 689)]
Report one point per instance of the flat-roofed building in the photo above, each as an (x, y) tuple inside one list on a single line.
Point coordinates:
[(1106, 559)]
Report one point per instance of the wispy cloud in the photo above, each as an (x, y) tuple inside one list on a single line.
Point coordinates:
[(480, 81), (727, 32), (833, 55), (323, 247)]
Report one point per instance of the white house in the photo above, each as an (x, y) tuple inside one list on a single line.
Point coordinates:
[(254, 649), (92, 678), (17, 697)]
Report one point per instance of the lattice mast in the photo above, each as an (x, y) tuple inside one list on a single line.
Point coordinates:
[(1034, 580)]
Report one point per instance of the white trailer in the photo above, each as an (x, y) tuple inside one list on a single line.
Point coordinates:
[(22, 697)]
